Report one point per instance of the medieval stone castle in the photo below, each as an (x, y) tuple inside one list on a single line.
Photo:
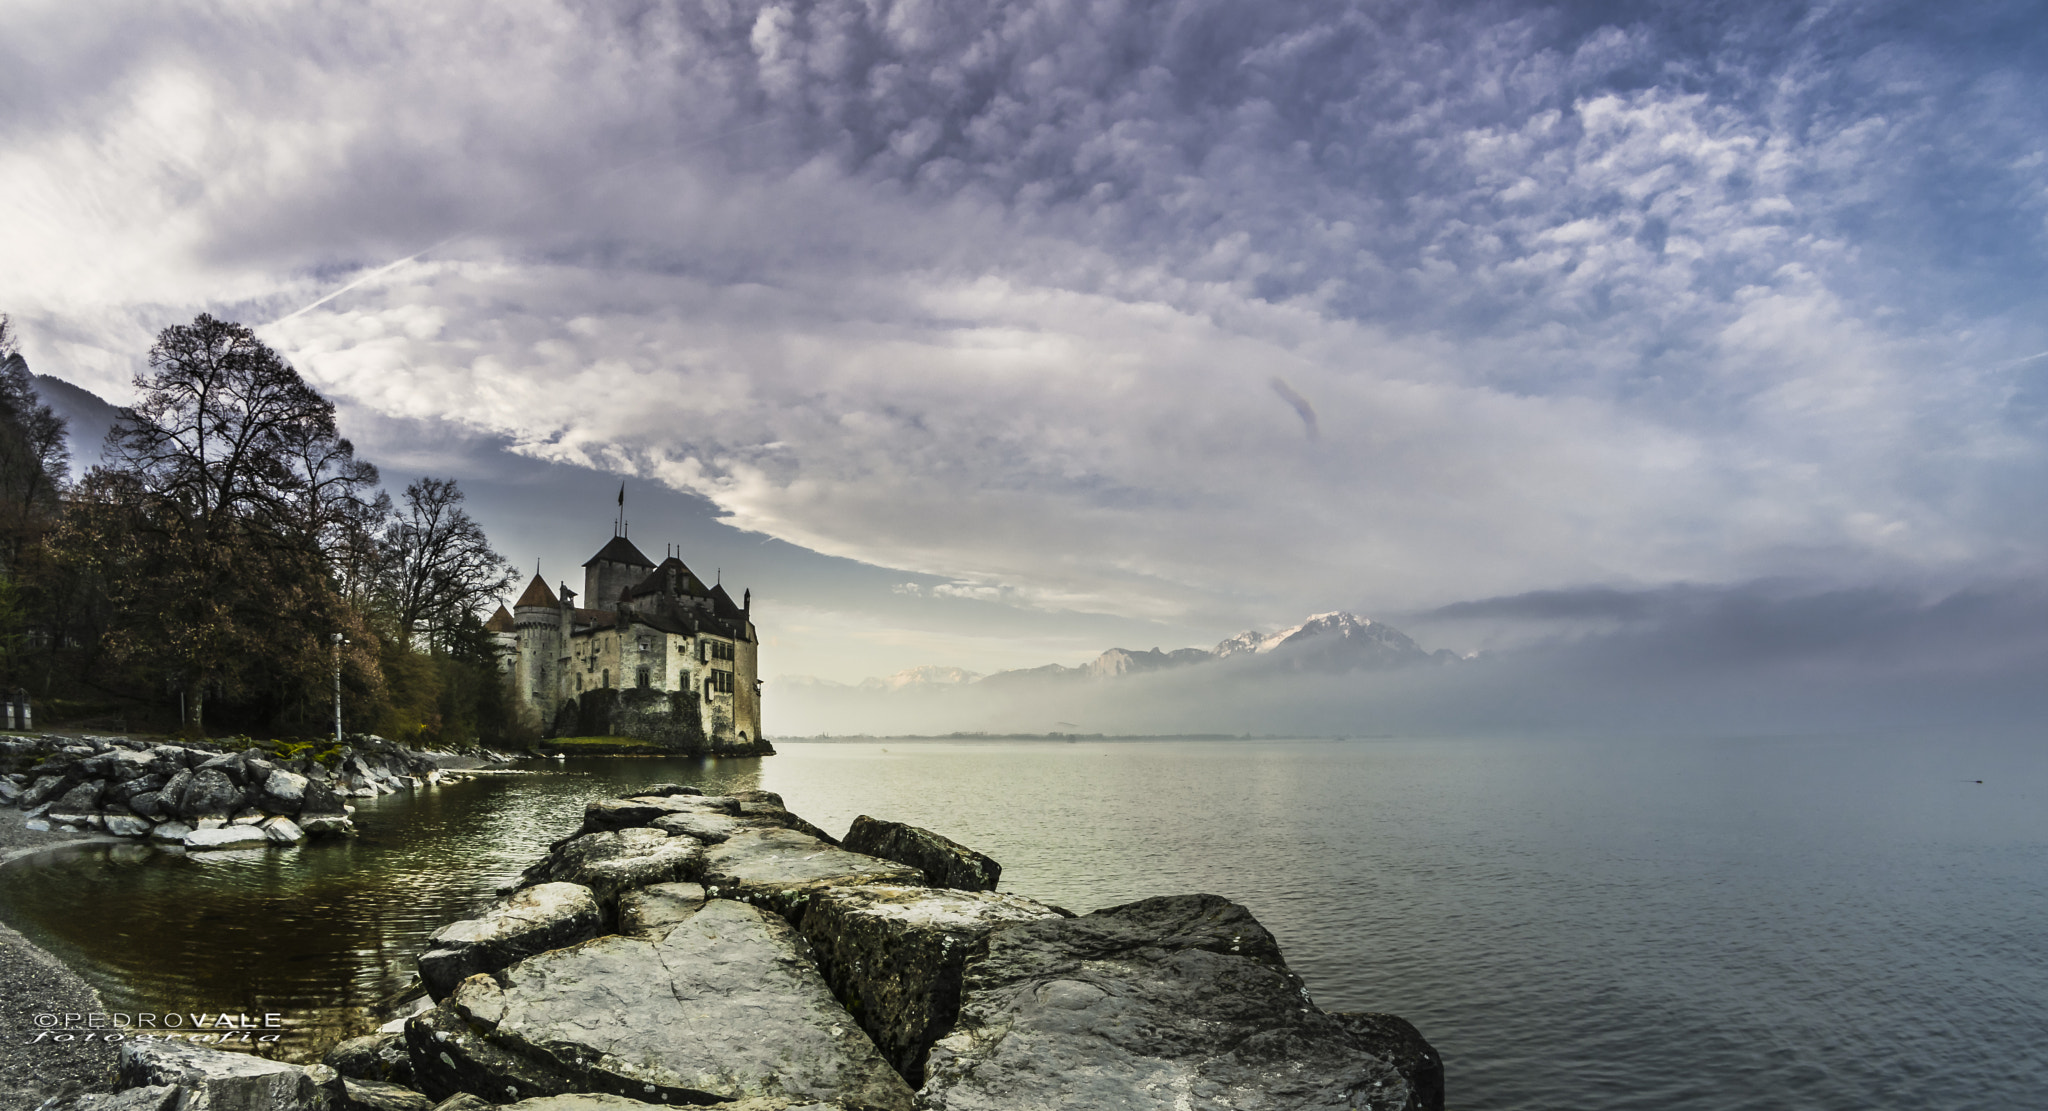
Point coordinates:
[(658, 655)]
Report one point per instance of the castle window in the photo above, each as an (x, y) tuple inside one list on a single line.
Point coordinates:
[(607, 677), (643, 679)]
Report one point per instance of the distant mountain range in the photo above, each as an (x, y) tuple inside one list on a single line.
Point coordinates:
[(88, 417), (1327, 642)]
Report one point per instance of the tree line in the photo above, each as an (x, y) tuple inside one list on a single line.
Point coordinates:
[(195, 579)]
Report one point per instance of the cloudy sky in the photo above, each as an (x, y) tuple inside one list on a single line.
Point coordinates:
[(995, 334)]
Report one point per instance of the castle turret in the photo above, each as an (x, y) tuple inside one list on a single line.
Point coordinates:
[(615, 567)]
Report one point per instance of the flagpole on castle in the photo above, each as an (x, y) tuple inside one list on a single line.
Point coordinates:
[(619, 525)]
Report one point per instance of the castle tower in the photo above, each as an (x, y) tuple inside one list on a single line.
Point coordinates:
[(615, 567)]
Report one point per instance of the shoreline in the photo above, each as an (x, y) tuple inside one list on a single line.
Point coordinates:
[(34, 981)]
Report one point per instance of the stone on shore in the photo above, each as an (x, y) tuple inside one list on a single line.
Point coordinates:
[(1180, 1001), (380, 1056), (211, 793), (617, 861), (227, 837), (781, 869), (379, 1095), (152, 1097), (766, 806), (711, 829), (1397, 1041), (893, 956), (945, 863), (215, 1080), (127, 825), (529, 921), (651, 912), (726, 1006), (609, 814), (449, 1057)]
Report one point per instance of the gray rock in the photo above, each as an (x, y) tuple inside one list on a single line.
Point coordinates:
[(281, 830), (767, 806), (1174, 1002), (226, 837), (173, 792), (151, 1097), (170, 831), (283, 792), (652, 912), (46, 788), (150, 804), (661, 789), (945, 863), (211, 792), (726, 1006), (609, 814), (450, 1057), (380, 1056), (613, 862), (127, 825), (1396, 1040), (529, 921), (9, 790), (214, 1080), (781, 869), (893, 956), (380, 1095), (317, 825), (463, 1101), (711, 829), (84, 798)]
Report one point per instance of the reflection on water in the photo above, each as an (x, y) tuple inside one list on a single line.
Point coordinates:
[(1820, 925), (325, 934)]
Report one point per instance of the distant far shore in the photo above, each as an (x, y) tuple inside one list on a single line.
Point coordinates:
[(838, 738)]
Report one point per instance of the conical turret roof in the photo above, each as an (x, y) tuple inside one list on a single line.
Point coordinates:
[(537, 594)]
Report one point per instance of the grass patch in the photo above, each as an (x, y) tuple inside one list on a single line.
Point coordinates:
[(627, 742)]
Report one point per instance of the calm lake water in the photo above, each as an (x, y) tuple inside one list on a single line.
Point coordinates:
[(1742, 923)]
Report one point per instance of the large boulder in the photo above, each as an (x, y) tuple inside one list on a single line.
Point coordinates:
[(212, 792), (227, 837), (651, 912), (215, 1080), (617, 861), (608, 814), (711, 829), (451, 1057), (893, 956), (781, 869), (530, 920), (1397, 1041), (766, 807), (945, 863), (379, 1056), (1173, 1002), (725, 1006), (282, 792), (83, 798)]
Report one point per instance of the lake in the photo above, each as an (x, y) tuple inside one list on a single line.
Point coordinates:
[(1812, 923)]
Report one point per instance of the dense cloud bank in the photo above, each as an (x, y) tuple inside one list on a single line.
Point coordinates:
[(1189, 311), (1769, 657)]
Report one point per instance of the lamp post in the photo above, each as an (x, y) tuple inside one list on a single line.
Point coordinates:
[(338, 641)]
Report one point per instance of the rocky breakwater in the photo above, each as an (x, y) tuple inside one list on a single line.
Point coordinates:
[(199, 796), (685, 949)]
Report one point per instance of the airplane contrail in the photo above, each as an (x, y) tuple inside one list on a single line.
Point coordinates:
[(430, 248)]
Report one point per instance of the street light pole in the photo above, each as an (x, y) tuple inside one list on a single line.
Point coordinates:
[(338, 640)]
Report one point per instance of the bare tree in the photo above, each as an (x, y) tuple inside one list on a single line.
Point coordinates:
[(234, 584), (439, 568)]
